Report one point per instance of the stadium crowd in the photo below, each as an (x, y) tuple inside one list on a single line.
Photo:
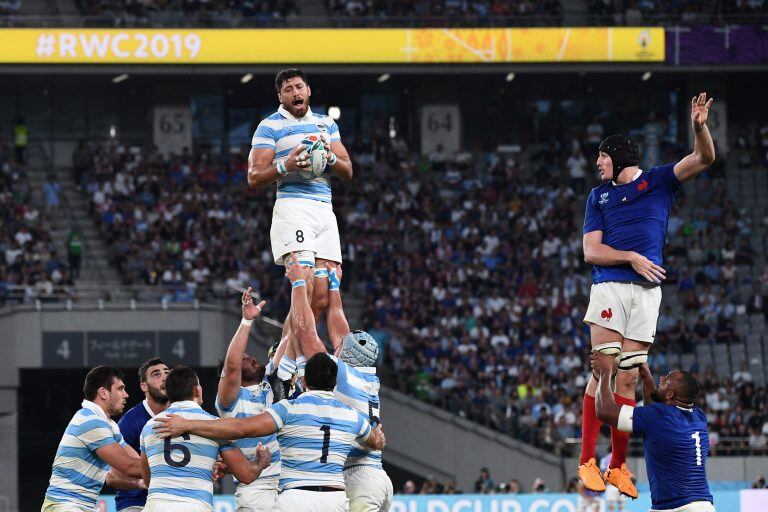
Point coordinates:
[(30, 267), (471, 273)]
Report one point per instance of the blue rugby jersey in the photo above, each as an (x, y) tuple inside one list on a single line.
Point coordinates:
[(316, 432), (181, 468), (253, 400), (78, 474), (131, 425), (282, 132), (632, 217), (676, 447), (358, 387)]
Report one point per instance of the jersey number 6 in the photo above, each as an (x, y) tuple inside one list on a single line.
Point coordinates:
[(170, 447)]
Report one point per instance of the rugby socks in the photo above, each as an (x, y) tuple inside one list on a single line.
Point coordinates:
[(590, 428), (619, 439)]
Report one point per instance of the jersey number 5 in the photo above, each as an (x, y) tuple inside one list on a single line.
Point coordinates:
[(170, 447), (697, 438)]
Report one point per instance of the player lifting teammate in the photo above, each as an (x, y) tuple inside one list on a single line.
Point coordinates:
[(624, 230), (302, 218), (675, 435)]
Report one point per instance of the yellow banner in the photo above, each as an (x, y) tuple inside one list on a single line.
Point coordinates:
[(330, 46)]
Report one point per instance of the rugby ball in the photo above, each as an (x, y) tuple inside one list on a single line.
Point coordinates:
[(318, 158)]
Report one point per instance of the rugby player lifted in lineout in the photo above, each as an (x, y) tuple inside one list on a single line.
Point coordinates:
[(302, 218), (624, 230)]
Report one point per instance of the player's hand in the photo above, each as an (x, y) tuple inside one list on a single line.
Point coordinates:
[(294, 271), (171, 425), (700, 110), (334, 274), (295, 161), (645, 372), (262, 456), (648, 269), (220, 469), (251, 311), (602, 364)]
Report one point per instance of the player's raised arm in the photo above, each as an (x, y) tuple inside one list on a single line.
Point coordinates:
[(338, 327), (173, 425), (605, 404), (231, 377), (648, 385), (703, 147), (302, 318)]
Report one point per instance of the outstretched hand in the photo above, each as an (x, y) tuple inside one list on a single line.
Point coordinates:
[(602, 364), (251, 311), (700, 110)]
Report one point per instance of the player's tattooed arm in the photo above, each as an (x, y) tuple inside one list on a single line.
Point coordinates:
[(703, 147), (648, 385), (261, 170), (605, 404)]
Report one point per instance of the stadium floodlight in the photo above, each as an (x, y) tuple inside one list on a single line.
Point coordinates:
[(334, 113), (246, 78), (646, 76), (383, 78), (120, 78), (510, 77)]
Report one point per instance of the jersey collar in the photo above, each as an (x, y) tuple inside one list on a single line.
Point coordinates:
[(185, 404), (637, 175), (147, 408), (284, 112), (319, 392), (92, 406)]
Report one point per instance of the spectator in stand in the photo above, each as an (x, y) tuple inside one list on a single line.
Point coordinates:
[(484, 483), (52, 193)]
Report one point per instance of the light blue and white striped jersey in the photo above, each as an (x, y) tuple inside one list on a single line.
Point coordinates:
[(251, 401), (359, 388), (282, 132), (181, 468), (78, 473), (316, 432)]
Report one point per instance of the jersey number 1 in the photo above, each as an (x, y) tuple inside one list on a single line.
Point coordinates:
[(326, 443), (697, 438)]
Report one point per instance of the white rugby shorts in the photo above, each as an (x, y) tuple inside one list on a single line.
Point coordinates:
[(304, 225), (298, 500), (133, 509), (627, 308), (694, 506), (369, 489), (55, 506), (158, 505), (252, 499)]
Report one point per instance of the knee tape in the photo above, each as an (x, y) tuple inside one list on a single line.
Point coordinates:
[(632, 360)]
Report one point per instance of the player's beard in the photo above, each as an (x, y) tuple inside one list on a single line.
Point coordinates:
[(657, 397), (256, 375), (157, 395)]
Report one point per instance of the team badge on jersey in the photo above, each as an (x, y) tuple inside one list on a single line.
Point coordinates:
[(603, 198)]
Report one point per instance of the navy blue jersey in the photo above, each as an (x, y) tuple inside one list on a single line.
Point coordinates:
[(130, 426), (676, 446), (632, 217)]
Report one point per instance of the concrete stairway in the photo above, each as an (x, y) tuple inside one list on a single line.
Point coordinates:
[(95, 269)]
